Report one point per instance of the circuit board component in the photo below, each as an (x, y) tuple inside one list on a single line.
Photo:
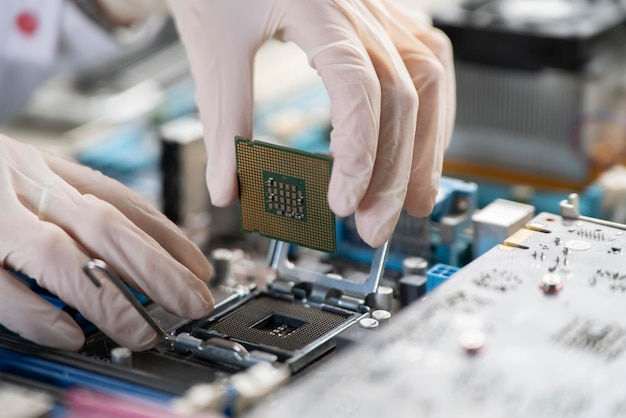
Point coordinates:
[(284, 194)]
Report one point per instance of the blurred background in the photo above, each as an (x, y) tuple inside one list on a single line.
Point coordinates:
[(541, 114), (541, 92)]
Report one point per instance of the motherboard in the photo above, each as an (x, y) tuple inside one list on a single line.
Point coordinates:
[(535, 327)]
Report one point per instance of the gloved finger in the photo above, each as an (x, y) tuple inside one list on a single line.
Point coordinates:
[(441, 46), (374, 106), (136, 209), (33, 318), (105, 233), (221, 55), (429, 78), (44, 251), (334, 48)]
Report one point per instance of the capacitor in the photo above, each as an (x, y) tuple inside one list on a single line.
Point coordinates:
[(551, 284), (472, 342), (383, 299), (185, 197), (414, 265), (369, 323), (122, 356), (221, 258), (381, 315), (411, 288)]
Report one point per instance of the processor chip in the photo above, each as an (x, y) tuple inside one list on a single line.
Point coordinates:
[(284, 194)]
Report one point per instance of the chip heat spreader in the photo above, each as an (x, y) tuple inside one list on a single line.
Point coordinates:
[(284, 194)]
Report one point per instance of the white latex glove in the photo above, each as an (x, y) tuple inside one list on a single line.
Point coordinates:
[(55, 216), (390, 81)]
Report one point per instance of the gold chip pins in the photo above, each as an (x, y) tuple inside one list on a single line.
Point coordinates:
[(284, 194)]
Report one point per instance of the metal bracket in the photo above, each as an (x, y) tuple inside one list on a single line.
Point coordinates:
[(213, 349), (285, 269), (570, 210), (94, 265)]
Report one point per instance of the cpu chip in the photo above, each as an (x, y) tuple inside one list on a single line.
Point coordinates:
[(284, 194)]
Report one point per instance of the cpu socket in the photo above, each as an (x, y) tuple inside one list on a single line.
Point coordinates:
[(297, 317)]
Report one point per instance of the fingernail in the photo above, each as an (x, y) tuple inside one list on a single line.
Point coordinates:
[(195, 301), (140, 339), (421, 205), (63, 335), (224, 191), (342, 197), (204, 305), (375, 230), (377, 236)]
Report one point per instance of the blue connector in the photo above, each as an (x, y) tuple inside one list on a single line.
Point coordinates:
[(438, 274)]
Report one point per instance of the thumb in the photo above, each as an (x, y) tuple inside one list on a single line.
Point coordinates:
[(28, 315)]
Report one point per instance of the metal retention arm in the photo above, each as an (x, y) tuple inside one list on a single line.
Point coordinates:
[(213, 349), (278, 261), (95, 265), (570, 210)]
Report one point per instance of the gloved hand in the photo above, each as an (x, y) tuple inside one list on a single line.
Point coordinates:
[(55, 216), (390, 81)]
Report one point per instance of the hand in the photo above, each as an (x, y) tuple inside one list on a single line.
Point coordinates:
[(390, 81), (56, 215)]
